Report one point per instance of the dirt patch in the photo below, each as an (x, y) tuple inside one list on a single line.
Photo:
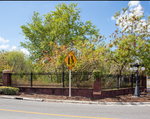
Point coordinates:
[(121, 98)]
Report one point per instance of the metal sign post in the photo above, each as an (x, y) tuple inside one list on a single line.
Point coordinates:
[(70, 61), (69, 83)]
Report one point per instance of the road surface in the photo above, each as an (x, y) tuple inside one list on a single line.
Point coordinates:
[(20, 109)]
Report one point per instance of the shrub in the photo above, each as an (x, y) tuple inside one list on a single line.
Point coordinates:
[(8, 90), (84, 76), (97, 74)]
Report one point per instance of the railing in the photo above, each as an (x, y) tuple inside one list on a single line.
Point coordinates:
[(117, 82), (78, 80), (81, 79), (55, 79)]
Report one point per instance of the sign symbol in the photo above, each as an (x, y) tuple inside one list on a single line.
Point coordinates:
[(72, 59), (69, 60)]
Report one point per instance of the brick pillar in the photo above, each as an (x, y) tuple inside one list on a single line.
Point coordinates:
[(6, 78), (97, 85), (97, 88)]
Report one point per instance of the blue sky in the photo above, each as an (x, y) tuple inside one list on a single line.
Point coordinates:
[(14, 14)]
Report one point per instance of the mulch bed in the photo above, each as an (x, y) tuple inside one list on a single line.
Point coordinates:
[(121, 98)]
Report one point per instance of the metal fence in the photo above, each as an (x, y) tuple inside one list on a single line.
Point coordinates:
[(78, 79), (117, 82), (1, 81), (57, 79)]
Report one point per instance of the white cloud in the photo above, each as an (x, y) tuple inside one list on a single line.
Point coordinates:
[(25, 51), (124, 18), (4, 46), (138, 10), (112, 18), (133, 3), (22, 50), (14, 48), (3, 41)]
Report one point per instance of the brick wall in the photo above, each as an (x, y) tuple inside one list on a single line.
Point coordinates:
[(113, 93), (79, 92), (58, 91)]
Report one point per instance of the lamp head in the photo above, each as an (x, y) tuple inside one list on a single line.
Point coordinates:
[(131, 69), (137, 62), (143, 68), (135, 68)]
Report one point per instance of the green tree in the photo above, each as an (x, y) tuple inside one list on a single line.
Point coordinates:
[(17, 61), (127, 50), (132, 42), (62, 26), (3, 62), (89, 53)]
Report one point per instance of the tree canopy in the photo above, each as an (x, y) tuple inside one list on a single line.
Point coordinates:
[(50, 37), (131, 42), (62, 26), (16, 61)]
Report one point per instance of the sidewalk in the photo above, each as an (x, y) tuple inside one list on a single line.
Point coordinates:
[(77, 102)]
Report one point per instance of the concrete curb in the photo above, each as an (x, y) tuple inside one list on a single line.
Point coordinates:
[(99, 103), (77, 102)]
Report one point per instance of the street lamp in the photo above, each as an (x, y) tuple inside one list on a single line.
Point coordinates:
[(136, 66)]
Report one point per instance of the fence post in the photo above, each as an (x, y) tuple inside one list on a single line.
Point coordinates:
[(6, 77), (31, 79), (51, 77), (132, 81), (117, 81), (63, 79)]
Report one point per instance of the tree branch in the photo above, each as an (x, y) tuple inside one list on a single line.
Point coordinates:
[(112, 59)]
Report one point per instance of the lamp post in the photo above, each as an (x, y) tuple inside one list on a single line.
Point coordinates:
[(135, 68)]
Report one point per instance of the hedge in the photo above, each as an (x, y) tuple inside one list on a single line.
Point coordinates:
[(8, 90)]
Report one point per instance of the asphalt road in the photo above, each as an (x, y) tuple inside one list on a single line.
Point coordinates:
[(20, 109)]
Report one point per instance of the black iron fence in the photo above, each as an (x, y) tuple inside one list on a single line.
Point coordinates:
[(56, 79), (117, 82), (1, 81), (78, 79)]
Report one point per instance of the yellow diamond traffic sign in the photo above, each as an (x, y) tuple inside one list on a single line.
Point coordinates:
[(70, 60)]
